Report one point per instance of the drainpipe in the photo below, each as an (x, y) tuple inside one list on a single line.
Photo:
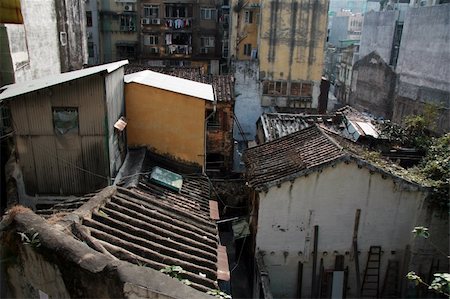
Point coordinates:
[(206, 128)]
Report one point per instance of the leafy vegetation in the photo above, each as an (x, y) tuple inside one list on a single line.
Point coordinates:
[(434, 169), (218, 294), (441, 281), (32, 240), (175, 272)]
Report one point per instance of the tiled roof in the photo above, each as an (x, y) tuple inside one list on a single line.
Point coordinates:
[(156, 227), (306, 150), (283, 157), (222, 84)]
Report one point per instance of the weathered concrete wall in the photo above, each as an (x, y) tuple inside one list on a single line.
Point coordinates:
[(329, 199), (247, 108), (35, 44), (71, 24), (292, 39), (378, 33), (374, 86), (422, 66)]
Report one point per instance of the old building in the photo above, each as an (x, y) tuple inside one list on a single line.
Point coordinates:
[(168, 114), (119, 30), (291, 52), (345, 26), (373, 87), (93, 32), (245, 24), (219, 135), (345, 62), (322, 207), (65, 132), (419, 82), (34, 49), (119, 239), (422, 82)]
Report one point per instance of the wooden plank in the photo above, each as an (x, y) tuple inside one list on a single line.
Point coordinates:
[(314, 267), (299, 279)]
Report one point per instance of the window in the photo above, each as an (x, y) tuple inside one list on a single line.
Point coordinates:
[(89, 19), (91, 49), (275, 88), (248, 49), (65, 120), (151, 40), (127, 23), (248, 16), (301, 89), (151, 11), (207, 41), (176, 11), (208, 14)]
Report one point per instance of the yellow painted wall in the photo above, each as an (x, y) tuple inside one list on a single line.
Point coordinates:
[(169, 122), (291, 28), (245, 33)]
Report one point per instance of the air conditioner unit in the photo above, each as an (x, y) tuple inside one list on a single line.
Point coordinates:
[(204, 50), (128, 7), (145, 21), (156, 21), (154, 50)]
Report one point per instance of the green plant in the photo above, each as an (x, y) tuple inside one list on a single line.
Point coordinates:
[(218, 294), (441, 281), (175, 272), (32, 241)]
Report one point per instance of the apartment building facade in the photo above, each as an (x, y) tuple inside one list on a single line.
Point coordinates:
[(164, 33)]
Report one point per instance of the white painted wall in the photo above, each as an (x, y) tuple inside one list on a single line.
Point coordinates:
[(35, 45), (287, 215)]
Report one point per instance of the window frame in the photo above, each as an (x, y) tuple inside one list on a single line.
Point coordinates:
[(208, 14), (210, 40), (248, 16), (147, 11), (152, 38), (74, 130)]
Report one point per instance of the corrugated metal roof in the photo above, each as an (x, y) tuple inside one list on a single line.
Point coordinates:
[(172, 83), (16, 89)]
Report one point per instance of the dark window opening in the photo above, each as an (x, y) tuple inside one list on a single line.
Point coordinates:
[(65, 120), (176, 11), (248, 49), (89, 18)]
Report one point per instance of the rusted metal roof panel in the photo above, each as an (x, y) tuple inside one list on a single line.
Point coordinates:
[(13, 90)]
